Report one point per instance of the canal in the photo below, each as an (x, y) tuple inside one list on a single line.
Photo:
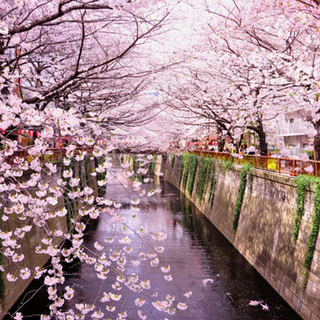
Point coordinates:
[(220, 282)]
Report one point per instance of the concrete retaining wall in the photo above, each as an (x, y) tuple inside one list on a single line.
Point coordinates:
[(32, 239), (264, 233)]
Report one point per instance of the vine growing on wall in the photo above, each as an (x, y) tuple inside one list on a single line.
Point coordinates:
[(227, 165), (246, 168), (185, 171), (188, 171), (302, 183), (312, 239), (173, 158), (204, 175), (192, 172), (182, 168), (152, 164), (213, 182)]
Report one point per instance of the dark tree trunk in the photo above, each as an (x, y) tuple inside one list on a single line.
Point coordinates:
[(263, 145), (317, 147), (221, 144), (221, 141)]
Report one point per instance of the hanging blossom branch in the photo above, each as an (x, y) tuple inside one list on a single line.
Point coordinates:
[(62, 193)]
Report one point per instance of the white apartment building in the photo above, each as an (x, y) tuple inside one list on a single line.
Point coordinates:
[(292, 131)]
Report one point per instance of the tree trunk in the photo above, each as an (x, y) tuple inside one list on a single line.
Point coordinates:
[(263, 145), (221, 144), (317, 147)]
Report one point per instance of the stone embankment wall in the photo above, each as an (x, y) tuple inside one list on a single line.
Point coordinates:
[(12, 290), (264, 233)]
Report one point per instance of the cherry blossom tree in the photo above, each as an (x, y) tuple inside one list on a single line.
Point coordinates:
[(76, 69), (279, 39), (88, 55), (253, 62)]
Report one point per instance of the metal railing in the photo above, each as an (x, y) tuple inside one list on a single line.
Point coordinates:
[(289, 166)]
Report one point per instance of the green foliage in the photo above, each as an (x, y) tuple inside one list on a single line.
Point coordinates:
[(250, 178), (47, 157), (183, 156), (188, 171), (192, 172), (153, 164), (312, 239), (246, 168), (302, 183), (173, 158), (204, 174), (132, 160), (213, 182), (227, 165), (185, 171), (309, 153)]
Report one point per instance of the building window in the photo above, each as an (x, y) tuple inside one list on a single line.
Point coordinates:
[(291, 120)]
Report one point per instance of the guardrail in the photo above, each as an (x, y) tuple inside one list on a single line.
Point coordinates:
[(292, 167)]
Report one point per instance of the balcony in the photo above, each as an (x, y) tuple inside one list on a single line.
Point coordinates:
[(293, 129)]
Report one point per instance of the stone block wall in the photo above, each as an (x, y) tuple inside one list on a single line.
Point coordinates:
[(29, 243), (13, 290), (264, 232)]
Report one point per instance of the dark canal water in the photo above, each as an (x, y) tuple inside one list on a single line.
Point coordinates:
[(195, 251)]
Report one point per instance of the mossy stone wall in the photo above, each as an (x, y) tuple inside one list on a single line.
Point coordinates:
[(264, 234)]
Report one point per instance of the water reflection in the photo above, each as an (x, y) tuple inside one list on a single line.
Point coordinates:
[(195, 250)]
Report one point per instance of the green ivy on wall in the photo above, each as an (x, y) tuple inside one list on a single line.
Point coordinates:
[(173, 158), (204, 175), (302, 183), (153, 164), (213, 182), (182, 168), (227, 165), (246, 168), (192, 172), (188, 171), (185, 171), (312, 239)]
